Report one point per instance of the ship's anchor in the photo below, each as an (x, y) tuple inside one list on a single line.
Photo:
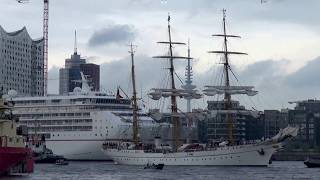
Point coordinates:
[(261, 152)]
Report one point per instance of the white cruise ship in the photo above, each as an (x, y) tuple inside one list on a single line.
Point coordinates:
[(75, 125)]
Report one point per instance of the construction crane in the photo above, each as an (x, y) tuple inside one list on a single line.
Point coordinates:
[(45, 42)]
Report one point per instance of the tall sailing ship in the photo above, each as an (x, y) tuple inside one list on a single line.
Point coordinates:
[(227, 153)]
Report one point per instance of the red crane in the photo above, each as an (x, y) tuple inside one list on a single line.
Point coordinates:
[(45, 42)]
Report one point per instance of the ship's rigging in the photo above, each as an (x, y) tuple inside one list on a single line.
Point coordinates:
[(173, 92), (227, 90)]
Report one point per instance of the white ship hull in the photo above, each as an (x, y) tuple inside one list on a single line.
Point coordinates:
[(86, 145), (243, 155), (78, 150)]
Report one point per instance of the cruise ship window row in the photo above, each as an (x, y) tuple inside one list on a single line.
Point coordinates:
[(130, 114), (56, 122), (75, 101), (107, 107), (54, 115), (112, 101), (46, 135), (70, 107), (60, 128)]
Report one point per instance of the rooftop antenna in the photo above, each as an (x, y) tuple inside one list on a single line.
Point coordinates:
[(75, 42)]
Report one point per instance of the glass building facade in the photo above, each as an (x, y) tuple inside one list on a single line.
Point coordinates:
[(69, 76)]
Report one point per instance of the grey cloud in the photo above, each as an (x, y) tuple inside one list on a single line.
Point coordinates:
[(149, 73), (91, 59), (278, 88), (254, 74), (263, 72), (243, 11), (275, 11), (113, 34), (306, 77)]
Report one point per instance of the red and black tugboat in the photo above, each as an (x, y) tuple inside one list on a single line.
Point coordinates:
[(15, 158)]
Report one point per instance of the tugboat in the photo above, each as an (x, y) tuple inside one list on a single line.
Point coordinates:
[(312, 162), (15, 158), (41, 153), (154, 166)]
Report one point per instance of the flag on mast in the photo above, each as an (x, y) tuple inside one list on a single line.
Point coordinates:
[(118, 96)]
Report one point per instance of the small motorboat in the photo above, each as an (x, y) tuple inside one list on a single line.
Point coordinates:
[(61, 162), (154, 166), (312, 162)]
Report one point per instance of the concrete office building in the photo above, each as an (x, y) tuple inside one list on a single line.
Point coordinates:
[(306, 116), (274, 120), (247, 124), (21, 59), (70, 74)]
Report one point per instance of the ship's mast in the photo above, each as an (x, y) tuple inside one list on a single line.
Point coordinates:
[(134, 99), (173, 96), (227, 95), (75, 42), (174, 108)]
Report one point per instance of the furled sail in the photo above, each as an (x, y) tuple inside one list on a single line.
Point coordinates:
[(217, 90), (156, 94)]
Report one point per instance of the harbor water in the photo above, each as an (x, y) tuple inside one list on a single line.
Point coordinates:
[(108, 170)]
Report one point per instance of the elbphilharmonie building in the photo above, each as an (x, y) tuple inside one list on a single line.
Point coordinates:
[(21, 63)]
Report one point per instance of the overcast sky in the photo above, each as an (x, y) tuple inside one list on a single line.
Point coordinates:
[(281, 37)]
